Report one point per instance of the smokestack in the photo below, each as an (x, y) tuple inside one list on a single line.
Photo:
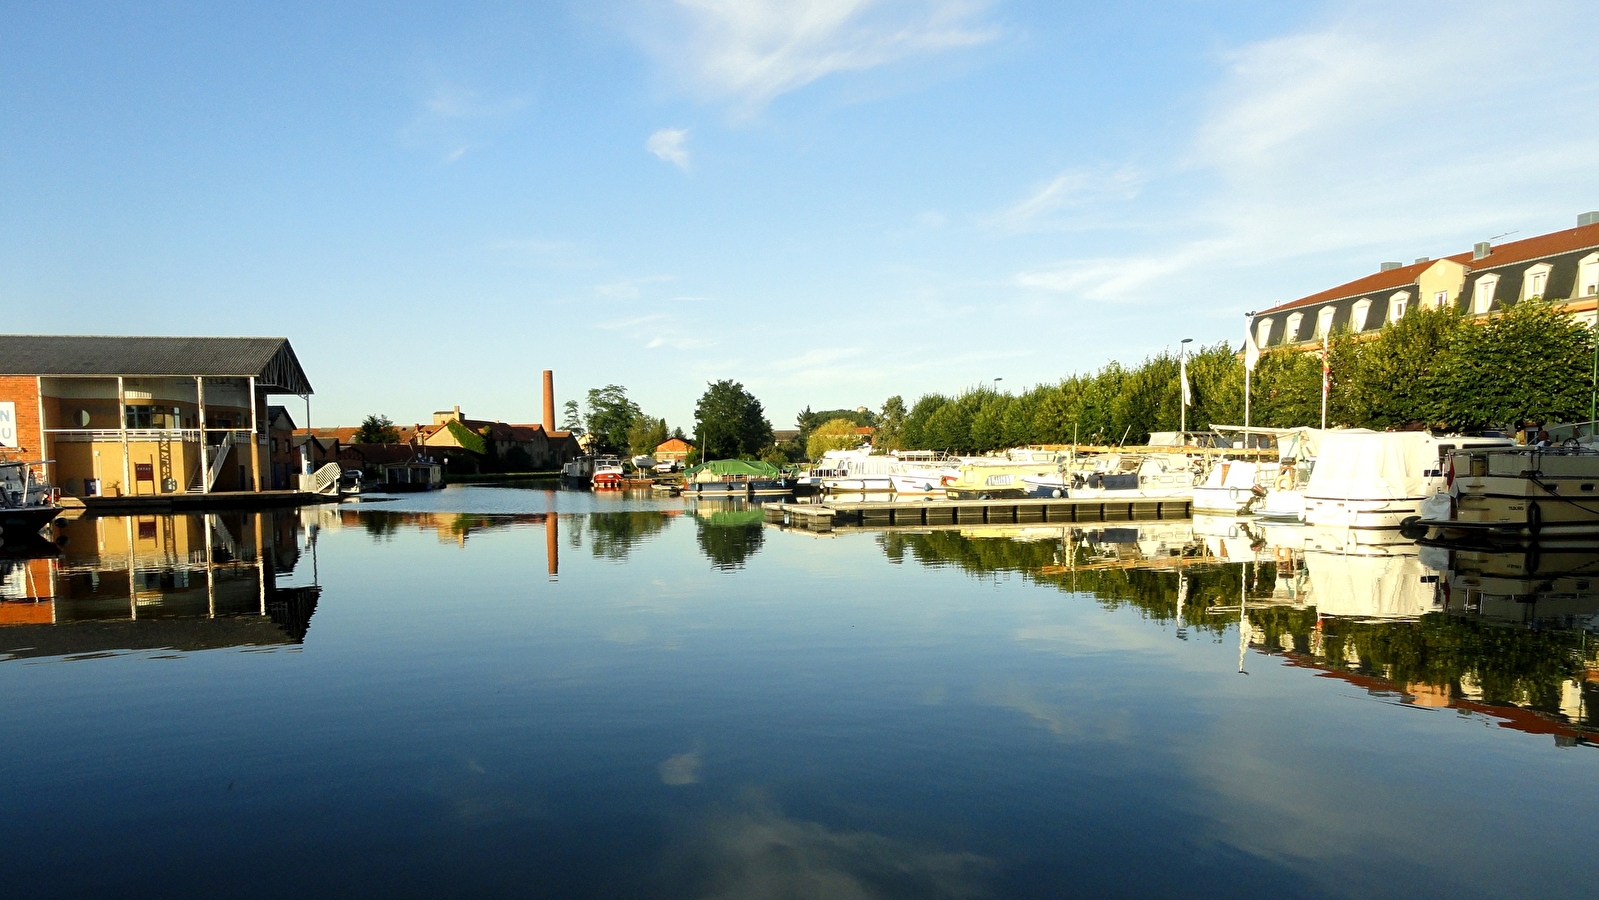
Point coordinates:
[(549, 401)]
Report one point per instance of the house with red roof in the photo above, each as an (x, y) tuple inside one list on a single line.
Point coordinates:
[(1561, 267)]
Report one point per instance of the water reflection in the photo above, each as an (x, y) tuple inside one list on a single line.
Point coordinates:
[(180, 582), (729, 531), (1504, 635)]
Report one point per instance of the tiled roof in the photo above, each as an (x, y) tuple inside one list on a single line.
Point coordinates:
[(269, 360), (1582, 237)]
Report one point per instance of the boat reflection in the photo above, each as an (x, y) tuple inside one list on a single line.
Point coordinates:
[(179, 582), (1502, 635)]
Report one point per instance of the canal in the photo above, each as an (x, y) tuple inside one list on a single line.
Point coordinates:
[(498, 691)]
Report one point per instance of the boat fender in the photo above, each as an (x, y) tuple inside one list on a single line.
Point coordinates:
[(1534, 518), (1233, 494), (1411, 528)]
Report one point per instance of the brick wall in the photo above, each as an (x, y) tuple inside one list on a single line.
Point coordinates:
[(23, 390)]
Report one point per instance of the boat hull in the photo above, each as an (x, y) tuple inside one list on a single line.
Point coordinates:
[(27, 520), (752, 487), (1331, 512)]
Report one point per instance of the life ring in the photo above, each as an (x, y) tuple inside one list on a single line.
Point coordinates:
[(1285, 481)]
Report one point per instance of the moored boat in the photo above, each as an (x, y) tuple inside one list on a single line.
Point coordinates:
[(608, 473), (1517, 493), (27, 503), (736, 478), (1365, 479)]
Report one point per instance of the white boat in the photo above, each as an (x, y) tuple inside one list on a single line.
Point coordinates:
[(1232, 486), (1521, 493), (854, 472), (1366, 479), (1142, 476)]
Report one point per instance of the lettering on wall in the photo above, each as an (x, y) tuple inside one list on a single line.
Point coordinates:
[(8, 424)]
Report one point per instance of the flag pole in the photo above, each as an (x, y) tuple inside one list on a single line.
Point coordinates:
[(1326, 381)]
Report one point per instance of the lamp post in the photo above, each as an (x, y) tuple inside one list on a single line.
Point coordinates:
[(1182, 393)]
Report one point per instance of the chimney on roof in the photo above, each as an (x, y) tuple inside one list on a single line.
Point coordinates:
[(1588, 218), (1390, 266), (1423, 259), (549, 401), (1481, 249)]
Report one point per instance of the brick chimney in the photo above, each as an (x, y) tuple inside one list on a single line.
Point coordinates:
[(549, 401)]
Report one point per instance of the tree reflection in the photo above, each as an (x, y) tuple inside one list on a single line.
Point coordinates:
[(729, 537), (613, 535)]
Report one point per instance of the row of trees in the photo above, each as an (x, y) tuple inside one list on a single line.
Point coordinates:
[(1432, 368), (729, 422)]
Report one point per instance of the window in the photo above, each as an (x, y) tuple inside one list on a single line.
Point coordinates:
[(1324, 320), (1588, 276), (140, 417), (1397, 304), (1262, 332), (1534, 281), (1358, 313), (1291, 330), (1440, 299), (1482, 299)]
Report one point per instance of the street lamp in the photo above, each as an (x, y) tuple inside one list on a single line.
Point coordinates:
[(996, 384), (1182, 390)]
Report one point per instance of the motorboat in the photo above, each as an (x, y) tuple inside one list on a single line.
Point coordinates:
[(1141, 476), (1232, 486), (1516, 493), (1365, 479), (578, 472), (1001, 478), (27, 502), (922, 473), (854, 472), (608, 473)]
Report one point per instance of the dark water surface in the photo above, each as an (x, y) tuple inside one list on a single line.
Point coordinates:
[(494, 691)]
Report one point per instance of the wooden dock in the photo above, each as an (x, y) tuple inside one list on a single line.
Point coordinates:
[(910, 513)]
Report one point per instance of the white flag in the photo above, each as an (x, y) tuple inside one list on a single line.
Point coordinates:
[(1182, 374), (1251, 350)]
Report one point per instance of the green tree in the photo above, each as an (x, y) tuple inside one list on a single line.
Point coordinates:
[(1530, 362), (377, 429), (610, 416), (731, 422), (646, 434), (891, 425), (913, 434), (838, 434), (571, 419)]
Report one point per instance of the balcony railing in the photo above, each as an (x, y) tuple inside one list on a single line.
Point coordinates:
[(214, 436)]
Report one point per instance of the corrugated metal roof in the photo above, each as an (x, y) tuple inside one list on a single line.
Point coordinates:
[(270, 361)]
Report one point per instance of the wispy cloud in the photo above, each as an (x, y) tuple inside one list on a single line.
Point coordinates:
[(553, 254), (629, 288), (1076, 188), (670, 145), (452, 118), (749, 52), (1332, 148)]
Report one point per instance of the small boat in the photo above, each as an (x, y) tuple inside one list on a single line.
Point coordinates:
[(1519, 494), (854, 472), (578, 472), (736, 478), (1001, 478), (608, 473), (27, 503), (1366, 479), (1153, 476)]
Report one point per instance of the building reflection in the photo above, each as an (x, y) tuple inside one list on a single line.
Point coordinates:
[(1509, 636), (610, 535), (181, 582)]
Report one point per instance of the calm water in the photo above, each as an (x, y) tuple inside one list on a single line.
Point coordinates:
[(493, 691)]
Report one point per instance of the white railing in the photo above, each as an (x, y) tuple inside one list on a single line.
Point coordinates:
[(218, 459), (112, 435), (323, 481)]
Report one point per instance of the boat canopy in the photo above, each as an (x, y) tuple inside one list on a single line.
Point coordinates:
[(1366, 465), (734, 468)]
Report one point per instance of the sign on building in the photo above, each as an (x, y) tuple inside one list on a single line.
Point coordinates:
[(8, 424)]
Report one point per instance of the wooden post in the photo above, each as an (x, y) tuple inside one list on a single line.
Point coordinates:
[(255, 441), (205, 452)]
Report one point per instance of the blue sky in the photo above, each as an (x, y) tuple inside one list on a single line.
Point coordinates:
[(831, 201)]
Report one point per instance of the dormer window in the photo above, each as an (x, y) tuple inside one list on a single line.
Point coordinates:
[(1482, 299), (1324, 320), (1440, 299), (1534, 281), (1397, 304), (1588, 275), (1262, 332), (1291, 330), (1357, 314)]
